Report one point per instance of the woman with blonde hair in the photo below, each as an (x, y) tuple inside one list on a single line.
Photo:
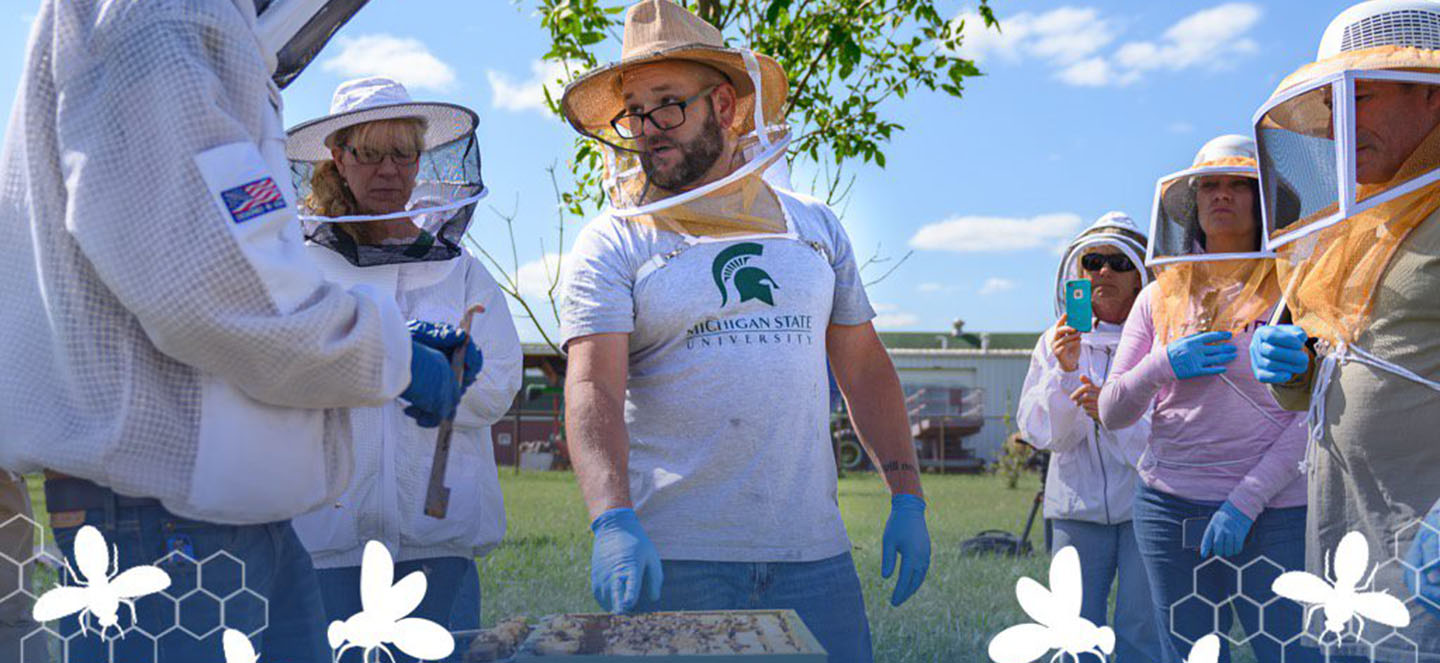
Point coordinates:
[(389, 186)]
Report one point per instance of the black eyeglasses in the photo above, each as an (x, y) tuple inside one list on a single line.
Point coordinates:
[(368, 157), (1119, 262), (665, 116)]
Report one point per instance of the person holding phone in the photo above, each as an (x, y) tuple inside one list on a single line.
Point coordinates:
[(1090, 485), (1220, 472)]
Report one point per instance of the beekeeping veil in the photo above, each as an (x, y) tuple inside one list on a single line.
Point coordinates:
[(1175, 231), (294, 31), (1335, 244), (1197, 287), (742, 202), (447, 183), (1115, 229)]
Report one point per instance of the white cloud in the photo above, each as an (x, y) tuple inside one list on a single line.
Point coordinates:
[(1091, 72), (529, 95), (978, 234), (996, 285), (1208, 39), (1062, 34), (1180, 127), (1073, 41), (891, 317), (405, 60), (895, 320), (534, 277)]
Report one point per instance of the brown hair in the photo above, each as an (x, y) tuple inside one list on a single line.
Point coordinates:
[(329, 194)]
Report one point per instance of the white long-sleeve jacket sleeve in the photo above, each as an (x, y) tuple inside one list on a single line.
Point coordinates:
[(1048, 419), (167, 114), (486, 401)]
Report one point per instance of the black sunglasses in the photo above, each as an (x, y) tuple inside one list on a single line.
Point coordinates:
[(1119, 262)]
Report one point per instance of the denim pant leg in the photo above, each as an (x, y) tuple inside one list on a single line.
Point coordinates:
[(1095, 544), (827, 596), (1276, 544), (698, 585), (465, 612), (340, 587), (1180, 617), (297, 629), (260, 573), (1137, 637)]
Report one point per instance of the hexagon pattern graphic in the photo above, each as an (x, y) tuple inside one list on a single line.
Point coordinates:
[(102, 597), (1340, 605), (1342, 602), (206, 597)]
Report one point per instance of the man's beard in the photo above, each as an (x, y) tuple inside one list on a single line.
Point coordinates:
[(696, 158)]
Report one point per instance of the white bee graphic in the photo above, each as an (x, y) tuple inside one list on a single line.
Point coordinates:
[(1205, 650), (382, 622), (99, 590), (238, 648), (1342, 594), (1057, 613)]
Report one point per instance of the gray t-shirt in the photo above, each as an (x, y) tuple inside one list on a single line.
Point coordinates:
[(727, 403)]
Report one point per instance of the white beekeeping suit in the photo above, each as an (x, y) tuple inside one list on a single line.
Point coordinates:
[(385, 500), (166, 334), (1092, 475)]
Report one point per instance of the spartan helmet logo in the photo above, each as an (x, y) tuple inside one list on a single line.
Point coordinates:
[(732, 265)]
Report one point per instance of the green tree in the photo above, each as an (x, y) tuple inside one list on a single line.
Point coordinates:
[(845, 60)]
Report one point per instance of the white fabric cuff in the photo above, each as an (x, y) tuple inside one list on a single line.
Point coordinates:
[(395, 371)]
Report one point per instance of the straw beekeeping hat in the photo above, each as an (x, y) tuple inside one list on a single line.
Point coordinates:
[(658, 31)]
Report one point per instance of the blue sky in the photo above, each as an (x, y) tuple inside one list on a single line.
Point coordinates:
[(1085, 104)]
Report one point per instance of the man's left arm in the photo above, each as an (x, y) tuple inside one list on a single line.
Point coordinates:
[(876, 404)]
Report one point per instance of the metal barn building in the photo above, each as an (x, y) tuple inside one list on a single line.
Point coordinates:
[(962, 389)]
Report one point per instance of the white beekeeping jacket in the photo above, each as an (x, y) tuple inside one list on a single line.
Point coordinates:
[(165, 332), (393, 455)]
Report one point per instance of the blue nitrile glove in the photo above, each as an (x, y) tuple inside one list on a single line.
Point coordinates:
[(906, 534), (432, 393), (1277, 353), (446, 338), (1424, 557), (623, 562), (1200, 354), (1225, 535)]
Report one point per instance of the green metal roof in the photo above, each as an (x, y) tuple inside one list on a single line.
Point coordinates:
[(964, 341), (906, 341)]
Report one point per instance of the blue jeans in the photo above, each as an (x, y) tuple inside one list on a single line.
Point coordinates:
[(465, 615), (826, 595), (278, 603), (1108, 553), (444, 578), (1195, 597)]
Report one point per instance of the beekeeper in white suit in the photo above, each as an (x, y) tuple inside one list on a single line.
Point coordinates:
[(1090, 488), (362, 172), (176, 358)]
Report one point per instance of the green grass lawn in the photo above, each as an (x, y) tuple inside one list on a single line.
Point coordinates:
[(543, 567)]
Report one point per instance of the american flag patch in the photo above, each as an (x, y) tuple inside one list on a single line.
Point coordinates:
[(257, 198)]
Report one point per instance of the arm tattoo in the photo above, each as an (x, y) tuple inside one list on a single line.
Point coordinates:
[(895, 466)]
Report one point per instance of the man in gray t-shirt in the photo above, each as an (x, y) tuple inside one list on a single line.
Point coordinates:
[(699, 314)]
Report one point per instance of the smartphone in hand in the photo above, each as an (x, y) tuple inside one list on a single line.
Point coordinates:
[(1078, 310)]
